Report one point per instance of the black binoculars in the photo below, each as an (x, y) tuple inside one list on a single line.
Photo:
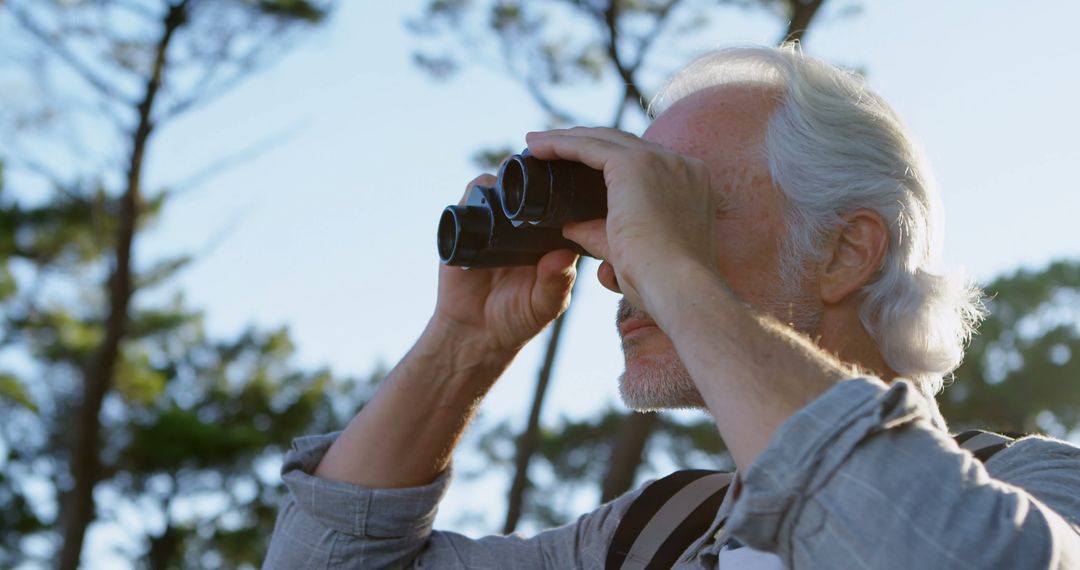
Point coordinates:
[(521, 218)]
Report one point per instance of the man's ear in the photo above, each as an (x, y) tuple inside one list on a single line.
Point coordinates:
[(857, 251)]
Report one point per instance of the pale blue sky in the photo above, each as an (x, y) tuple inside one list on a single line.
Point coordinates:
[(332, 231)]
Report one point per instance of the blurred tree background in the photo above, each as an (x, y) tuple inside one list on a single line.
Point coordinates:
[(118, 406), (120, 409)]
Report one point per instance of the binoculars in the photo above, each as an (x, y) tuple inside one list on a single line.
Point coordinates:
[(521, 218)]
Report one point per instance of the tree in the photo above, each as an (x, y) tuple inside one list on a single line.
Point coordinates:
[(124, 378), (1020, 372), (551, 49)]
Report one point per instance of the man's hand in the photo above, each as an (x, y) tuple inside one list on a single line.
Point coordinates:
[(661, 209), (503, 308), (405, 435)]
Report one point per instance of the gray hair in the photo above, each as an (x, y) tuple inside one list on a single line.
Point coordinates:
[(833, 146)]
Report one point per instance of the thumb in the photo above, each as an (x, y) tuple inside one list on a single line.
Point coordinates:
[(591, 235), (555, 275)]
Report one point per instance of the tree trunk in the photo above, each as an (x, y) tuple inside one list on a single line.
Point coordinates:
[(626, 454), (165, 548), (526, 445), (86, 466), (802, 13)]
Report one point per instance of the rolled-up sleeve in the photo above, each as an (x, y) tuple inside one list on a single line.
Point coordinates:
[(327, 525), (860, 478)]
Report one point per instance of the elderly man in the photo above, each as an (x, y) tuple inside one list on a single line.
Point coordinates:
[(772, 234)]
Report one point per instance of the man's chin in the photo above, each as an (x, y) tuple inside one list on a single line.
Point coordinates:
[(650, 384)]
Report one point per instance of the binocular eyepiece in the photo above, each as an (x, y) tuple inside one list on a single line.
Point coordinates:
[(521, 218)]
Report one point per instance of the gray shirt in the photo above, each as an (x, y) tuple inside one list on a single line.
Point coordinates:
[(859, 478)]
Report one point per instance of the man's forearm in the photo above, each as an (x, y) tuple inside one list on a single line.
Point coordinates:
[(405, 435), (752, 372)]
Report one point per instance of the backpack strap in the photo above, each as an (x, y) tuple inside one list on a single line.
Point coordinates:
[(984, 444), (666, 518), (673, 512)]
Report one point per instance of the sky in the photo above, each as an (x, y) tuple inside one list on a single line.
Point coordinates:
[(330, 229)]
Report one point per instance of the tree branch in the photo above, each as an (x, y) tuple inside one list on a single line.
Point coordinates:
[(802, 13), (210, 86), (630, 92), (557, 115), (648, 39), (241, 156), (138, 10), (60, 50), (532, 85)]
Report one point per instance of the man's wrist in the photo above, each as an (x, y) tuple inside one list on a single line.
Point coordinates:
[(456, 353)]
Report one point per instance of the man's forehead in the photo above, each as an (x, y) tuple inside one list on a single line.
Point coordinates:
[(725, 117), (725, 127)]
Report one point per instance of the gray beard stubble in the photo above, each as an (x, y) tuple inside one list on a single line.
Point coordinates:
[(663, 382)]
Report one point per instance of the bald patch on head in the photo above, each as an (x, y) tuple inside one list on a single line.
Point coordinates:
[(725, 126)]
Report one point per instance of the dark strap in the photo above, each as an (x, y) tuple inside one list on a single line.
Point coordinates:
[(666, 518), (673, 512), (984, 444)]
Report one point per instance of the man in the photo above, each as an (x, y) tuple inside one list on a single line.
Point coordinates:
[(772, 234)]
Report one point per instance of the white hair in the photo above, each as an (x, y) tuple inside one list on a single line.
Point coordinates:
[(833, 146)]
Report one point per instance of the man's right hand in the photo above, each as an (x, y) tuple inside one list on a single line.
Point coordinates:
[(405, 434), (502, 308)]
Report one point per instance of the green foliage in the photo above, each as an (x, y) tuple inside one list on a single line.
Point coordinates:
[(1021, 370), (55, 336), (137, 382), (17, 518), (186, 417), (74, 227), (8, 286), (198, 417), (490, 159), (13, 391)]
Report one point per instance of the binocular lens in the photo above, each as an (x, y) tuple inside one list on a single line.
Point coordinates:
[(512, 184), (521, 218), (465, 232), (448, 232)]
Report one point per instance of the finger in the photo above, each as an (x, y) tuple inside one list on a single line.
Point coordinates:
[(555, 275), (599, 133), (605, 274), (482, 180), (591, 235), (541, 142), (591, 151)]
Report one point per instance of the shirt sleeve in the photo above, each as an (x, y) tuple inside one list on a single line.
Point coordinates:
[(860, 478), (334, 525)]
